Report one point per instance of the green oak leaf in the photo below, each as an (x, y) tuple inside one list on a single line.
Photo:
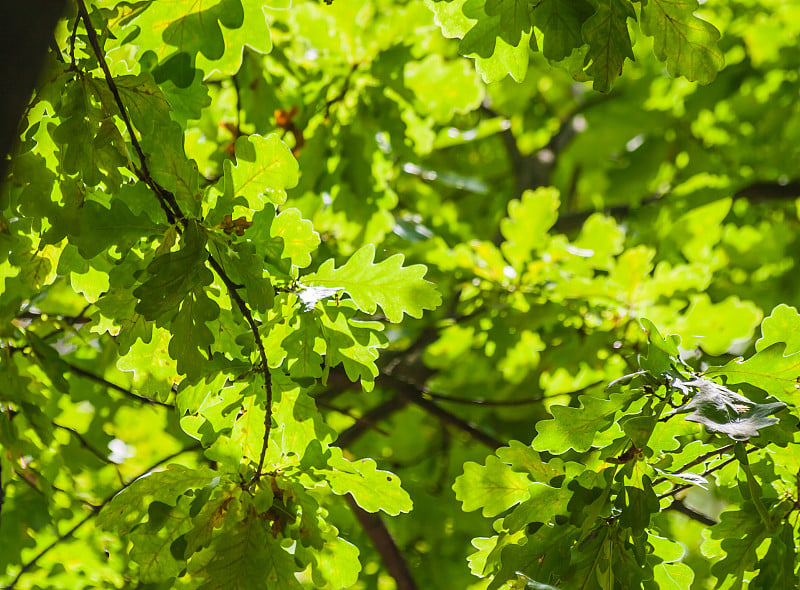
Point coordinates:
[(97, 228), (662, 351), (546, 554), (297, 423), (352, 342), (338, 563), (210, 518), (244, 267), (606, 32), (739, 534), (529, 219), (249, 428), (155, 542), (246, 555), (89, 141), (523, 458), (769, 369), (371, 488), (305, 345), (494, 487), (721, 410), (172, 276), (777, 568), (298, 236), (50, 361), (543, 504), (515, 18), (162, 138), (782, 325), (483, 38), (129, 507), (192, 34), (687, 44), (209, 408), (264, 169), (574, 428), (396, 289), (191, 337), (443, 88), (560, 22)]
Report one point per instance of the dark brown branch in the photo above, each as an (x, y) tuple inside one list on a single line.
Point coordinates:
[(680, 506), (686, 486), (385, 545), (755, 193), (94, 511), (118, 388), (342, 93), (358, 419)]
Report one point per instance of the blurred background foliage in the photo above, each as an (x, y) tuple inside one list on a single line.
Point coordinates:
[(550, 216)]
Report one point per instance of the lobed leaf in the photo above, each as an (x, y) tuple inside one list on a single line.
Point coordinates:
[(371, 488), (396, 289), (494, 487), (264, 169), (687, 44), (606, 32)]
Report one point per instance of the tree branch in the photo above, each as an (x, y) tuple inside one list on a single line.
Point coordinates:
[(417, 397), (118, 388), (248, 316), (368, 421), (680, 506), (503, 403), (755, 193), (385, 545)]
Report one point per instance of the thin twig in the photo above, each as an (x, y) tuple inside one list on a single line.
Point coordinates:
[(349, 414), (701, 459), (755, 193), (501, 403), (248, 316), (679, 506), (84, 443), (347, 437), (682, 487), (342, 93), (165, 198), (94, 511), (118, 388)]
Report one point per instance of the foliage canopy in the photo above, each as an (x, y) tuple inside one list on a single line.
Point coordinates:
[(447, 294)]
